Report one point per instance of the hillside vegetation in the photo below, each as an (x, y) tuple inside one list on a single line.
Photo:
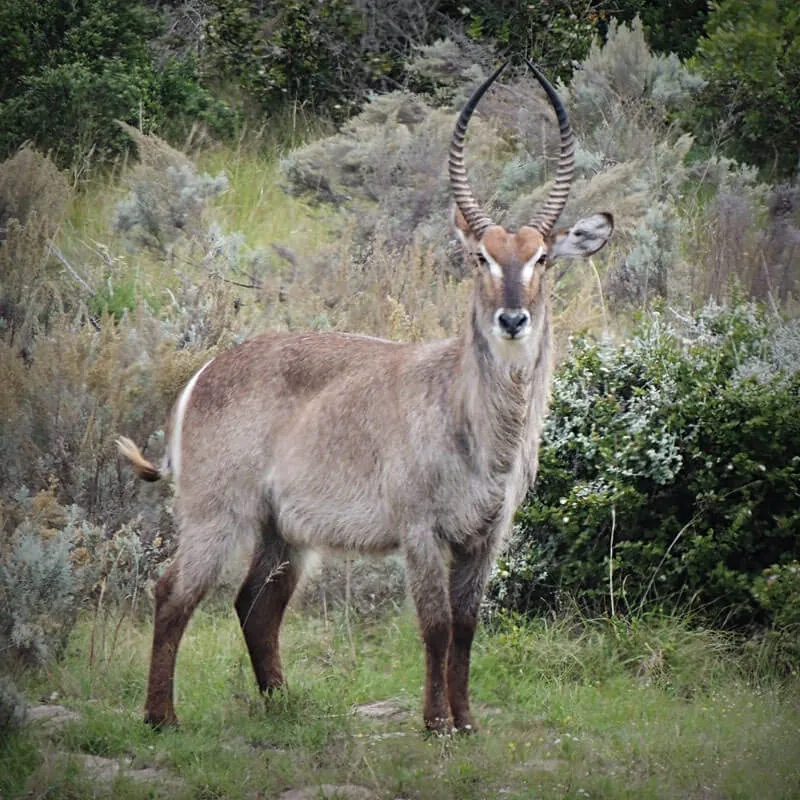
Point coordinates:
[(643, 628)]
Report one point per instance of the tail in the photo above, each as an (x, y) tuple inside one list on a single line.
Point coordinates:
[(145, 469)]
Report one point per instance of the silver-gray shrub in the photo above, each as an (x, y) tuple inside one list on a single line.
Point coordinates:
[(40, 596), (163, 206), (620, 96), (12, 707)]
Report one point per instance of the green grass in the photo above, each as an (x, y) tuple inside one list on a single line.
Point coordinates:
[(257, 206), (576, 709)]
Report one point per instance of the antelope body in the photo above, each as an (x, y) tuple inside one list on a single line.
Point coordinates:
[(293, 442)]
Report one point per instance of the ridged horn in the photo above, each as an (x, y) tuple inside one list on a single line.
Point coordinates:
[(478, 221), (545, 218)]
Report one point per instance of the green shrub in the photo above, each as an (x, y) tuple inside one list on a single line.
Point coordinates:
[(673, 27), (669, 472), (751, 102), (553, 34), (74, 68), (290, 51), (777, 590)]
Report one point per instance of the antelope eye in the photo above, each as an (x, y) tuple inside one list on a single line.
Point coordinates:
[(542, 258)]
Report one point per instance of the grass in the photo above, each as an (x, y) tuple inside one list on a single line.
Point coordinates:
[(607, 709)]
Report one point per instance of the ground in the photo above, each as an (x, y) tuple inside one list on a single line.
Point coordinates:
[(593, 710)]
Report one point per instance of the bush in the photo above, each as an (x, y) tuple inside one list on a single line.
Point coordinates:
[(622, 98), (554, 35), (12, 708), (167, 196), (673, 27), (55, 562), (667, 473), (72, 69), (777, 590), (289, 52), (40, 594), (751, 102)]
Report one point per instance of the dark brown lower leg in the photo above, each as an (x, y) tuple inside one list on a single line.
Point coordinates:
[(458, 672), (469, 571), (427, 581), (173, 611), (260, 605), (436, 711)]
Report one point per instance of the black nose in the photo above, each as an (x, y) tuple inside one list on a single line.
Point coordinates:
[(512, 322)]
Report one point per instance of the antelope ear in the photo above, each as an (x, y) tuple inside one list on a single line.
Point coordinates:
[(468, 239), (583, 239)]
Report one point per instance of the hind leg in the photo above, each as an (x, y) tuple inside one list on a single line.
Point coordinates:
[(174, 607), (202, 551), (260, 604)]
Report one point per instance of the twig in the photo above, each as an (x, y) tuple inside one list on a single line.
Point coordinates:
[(611, 560), (60, 256), (602, 299), (94, 626), (235, 283), (347, 598), (275, 572)]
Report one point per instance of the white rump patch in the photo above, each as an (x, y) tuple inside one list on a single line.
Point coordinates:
[(177, 422)]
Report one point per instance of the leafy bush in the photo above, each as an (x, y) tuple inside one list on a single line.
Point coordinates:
[(751, 102), (167, 196), (668, 471), (54, 562), (672, 27), (777, 590), (70, 69), (290, 51), (621, 98), (552, 34)]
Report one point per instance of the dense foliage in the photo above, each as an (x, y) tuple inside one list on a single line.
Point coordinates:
[(68, 70), (554, 34), (751, 102), (673, 27), (669, 474), (291, 51)]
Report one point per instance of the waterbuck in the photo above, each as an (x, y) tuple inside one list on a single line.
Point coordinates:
[(295, 442)]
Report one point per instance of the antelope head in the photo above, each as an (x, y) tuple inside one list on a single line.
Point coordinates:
[(510, 297)]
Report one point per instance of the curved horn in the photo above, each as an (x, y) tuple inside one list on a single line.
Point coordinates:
[(546, 217), (466, 202)]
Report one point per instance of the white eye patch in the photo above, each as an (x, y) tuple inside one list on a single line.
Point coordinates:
[(494, 267), (525, 274), (527, 270)]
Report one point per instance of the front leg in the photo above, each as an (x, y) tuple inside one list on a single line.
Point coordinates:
[(427, 580), (469, 571)]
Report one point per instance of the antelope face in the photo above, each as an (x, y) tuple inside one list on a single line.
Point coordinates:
[(511, 269), (510, 279)]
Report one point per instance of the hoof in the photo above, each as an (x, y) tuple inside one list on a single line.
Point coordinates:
[(465, 728), (465, 725), (438, 726)]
